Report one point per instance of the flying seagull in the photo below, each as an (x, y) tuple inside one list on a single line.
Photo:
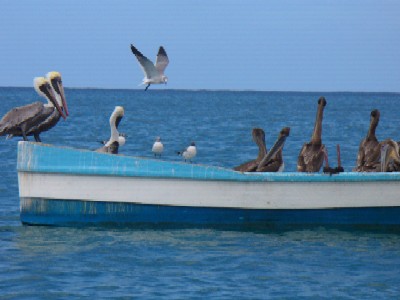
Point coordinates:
[(154, 73)]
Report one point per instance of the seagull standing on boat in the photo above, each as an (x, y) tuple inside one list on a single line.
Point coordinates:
[(158, 147), (273, 160), (55, 81), (311, 156), (154, 73), (189, 153), (369, 149), (112, 145), (21, 120), (259, 138)]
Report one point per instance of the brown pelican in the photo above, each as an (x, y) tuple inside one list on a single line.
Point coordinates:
[(389, 156), (154, 73), (112, 145), (20, 120), (158, 147), (259, 138), (55, 81), (273, 160), (311, 156), (369, 149), (189, 152)]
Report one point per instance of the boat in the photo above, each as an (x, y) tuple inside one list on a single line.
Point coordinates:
[(63, 186)]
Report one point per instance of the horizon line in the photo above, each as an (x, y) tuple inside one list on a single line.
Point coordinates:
[(216, 90)]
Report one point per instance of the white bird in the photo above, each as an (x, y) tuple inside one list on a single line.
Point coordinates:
[(189, 153), (158, 147), (154, 73), (112, 145)]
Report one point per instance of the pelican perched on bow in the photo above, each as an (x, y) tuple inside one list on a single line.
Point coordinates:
[(259, 138), (369, 149), (390, 158), (20, 121), (153, 73), (55, 81), (273, 160), (311, 156), (112, 145)]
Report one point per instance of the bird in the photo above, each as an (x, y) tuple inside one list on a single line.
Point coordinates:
[(259, 138), (158, 147), (369, 149), (189, 153), (273, 160), (55, 81), (121, 139), (311, 155), (112, 145), (154, 73), (21, 120), (389, 156)]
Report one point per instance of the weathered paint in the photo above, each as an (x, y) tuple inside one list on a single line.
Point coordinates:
[(72, 212), (60, 185)]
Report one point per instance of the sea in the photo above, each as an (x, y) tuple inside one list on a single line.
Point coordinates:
[(39, 262)]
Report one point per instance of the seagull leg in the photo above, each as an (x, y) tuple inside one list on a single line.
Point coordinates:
[(147, 87)]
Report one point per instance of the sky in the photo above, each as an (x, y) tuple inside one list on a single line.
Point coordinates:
[(299, 45)]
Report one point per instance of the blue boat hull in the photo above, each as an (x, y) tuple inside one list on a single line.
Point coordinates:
[(72, 212)]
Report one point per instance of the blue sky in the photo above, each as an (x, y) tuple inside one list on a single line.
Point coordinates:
[(264, 45)]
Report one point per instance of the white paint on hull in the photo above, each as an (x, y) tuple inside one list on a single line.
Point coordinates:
[(198, 193)]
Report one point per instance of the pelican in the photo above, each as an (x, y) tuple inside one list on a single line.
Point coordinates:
[(273, 160), (369, 149), (112, 145), (21, 120), (259, 138), (154, 73), (189, 153), (311, 156), (121, 139), (389, 156), (158, 147), (55, 81)]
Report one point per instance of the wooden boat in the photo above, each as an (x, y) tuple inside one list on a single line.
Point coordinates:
[(65, 186)]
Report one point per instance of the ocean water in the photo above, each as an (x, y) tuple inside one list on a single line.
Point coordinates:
[(196, 263)]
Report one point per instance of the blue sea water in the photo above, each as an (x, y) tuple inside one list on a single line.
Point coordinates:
[(196, 263)]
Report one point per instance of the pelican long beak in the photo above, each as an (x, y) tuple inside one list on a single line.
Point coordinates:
[(52, 97), (275, 148), (58, 87)]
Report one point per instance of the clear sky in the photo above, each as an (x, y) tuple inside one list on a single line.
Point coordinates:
[(310, 45)]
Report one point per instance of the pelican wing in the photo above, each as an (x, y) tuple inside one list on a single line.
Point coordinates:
[(146, 64), (18, 115), (161, 60)]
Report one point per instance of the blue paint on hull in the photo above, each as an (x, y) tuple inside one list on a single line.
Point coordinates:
[(37, 211)]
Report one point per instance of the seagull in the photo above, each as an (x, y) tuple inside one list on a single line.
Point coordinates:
[(312, 154), (158, 147), (21, 120), (154, 73), (189, 152), (112, 145)]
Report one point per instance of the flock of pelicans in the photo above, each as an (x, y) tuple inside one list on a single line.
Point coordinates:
[(38, 117)]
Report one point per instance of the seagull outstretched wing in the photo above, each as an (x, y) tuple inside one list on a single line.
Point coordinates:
[(161, 60), (146, 64)]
